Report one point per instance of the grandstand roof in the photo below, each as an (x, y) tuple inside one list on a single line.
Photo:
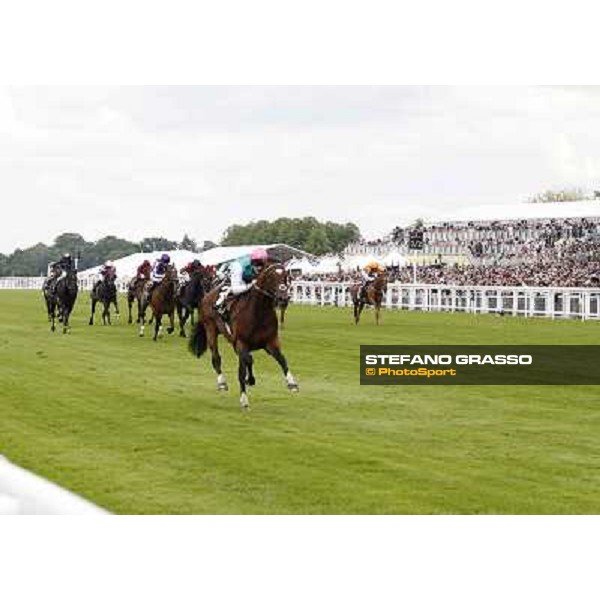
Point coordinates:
[(516, 212)]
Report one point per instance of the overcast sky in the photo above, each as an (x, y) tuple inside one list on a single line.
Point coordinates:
[(145, 161)]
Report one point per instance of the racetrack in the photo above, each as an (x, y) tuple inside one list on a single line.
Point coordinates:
[(138, 427)]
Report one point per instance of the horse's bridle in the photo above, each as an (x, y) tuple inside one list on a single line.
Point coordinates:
[(267, 293)]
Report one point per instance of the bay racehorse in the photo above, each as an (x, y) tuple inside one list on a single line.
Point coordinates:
[(162, 302), (135, 292), (105, 292), (60, 299), (252, 326), (373, 295), (282, 299)]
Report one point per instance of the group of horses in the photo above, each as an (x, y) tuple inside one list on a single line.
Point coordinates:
[(251, 325)]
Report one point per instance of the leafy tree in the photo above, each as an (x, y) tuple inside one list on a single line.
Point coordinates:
[(188, 244), (151, 244), (307, 234)]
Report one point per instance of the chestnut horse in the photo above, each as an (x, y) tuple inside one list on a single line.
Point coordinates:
[(252, 326), (372, 296)]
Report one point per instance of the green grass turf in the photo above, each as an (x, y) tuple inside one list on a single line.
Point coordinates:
[(138, 426)]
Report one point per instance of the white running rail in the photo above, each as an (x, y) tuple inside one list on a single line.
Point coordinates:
[(551, 302), (554, 303), (23, 493)]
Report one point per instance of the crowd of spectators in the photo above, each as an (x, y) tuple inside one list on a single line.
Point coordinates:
[(561, 253)]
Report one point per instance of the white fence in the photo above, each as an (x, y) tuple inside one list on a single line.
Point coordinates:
[(36, 283), (554, 303)]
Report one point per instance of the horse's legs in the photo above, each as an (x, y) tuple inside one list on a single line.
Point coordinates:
[(51, 313), (141, 316), (106, 313), (273, 348), (171, 327), (182, 316), (93, 311), (129, 307), (213, 344), (157, 325), (65, 318), (117, 313), (377, 309), (282, 318), (245, 360)]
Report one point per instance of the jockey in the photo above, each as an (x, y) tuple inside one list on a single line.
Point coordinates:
[(59, 270), (108, 271), (369, 274), (143, 269), (159, 271), (191, 268), (241, 276)]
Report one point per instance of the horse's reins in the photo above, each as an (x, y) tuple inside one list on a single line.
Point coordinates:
[(267, 293)]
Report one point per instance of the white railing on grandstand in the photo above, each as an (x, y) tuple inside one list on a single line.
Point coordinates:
[(24, 493), (554, 303)]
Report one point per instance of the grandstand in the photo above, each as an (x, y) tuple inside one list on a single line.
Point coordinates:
[(498, 236)]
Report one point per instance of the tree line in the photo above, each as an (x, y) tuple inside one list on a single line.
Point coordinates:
[(307, 234), (33, 261)]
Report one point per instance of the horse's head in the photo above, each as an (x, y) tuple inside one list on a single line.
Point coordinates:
[(273, 281), (381, 281)]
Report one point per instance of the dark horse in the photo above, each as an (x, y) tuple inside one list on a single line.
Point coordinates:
[(282, 299), (60, 299), (253, 326), (104, 291), (162, 302), (135, 292), (372, 296), (189, 295)]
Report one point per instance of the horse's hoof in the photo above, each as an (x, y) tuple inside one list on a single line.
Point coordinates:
[(251, 381), (293, 387), (222, 387), (170, 330)]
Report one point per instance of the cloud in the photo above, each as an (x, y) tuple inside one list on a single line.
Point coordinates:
[(137, 161)]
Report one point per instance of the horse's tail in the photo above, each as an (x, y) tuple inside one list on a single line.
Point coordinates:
[(198, 341)]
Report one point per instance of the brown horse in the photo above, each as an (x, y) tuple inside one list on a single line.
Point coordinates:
[(373, 296), (135, 292), (162, 302), (252, 326), (104, 291), (282, 299)]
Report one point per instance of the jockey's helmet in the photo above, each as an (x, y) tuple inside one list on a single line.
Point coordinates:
[(66, 256), (165, 258), (259, 255), (196, 263), (373, 265), (109, 264)]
